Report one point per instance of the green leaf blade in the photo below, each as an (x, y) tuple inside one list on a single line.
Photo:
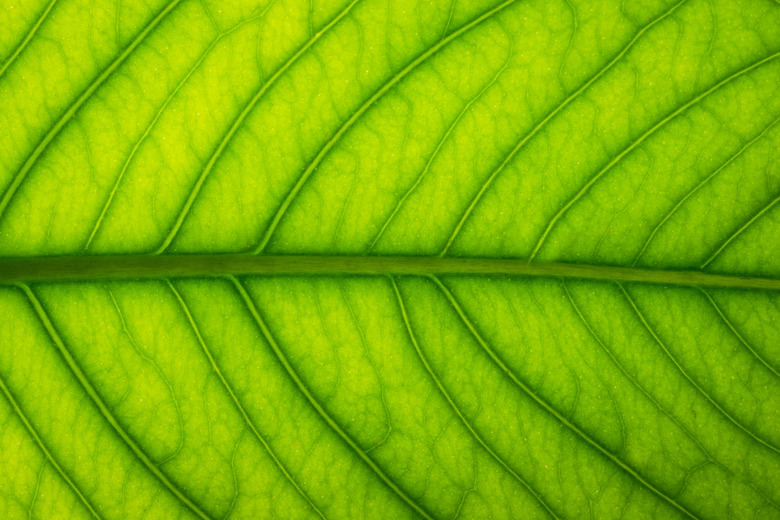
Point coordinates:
[(359, 259)]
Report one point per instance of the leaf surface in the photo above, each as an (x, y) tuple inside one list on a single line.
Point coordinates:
[(366, 259)]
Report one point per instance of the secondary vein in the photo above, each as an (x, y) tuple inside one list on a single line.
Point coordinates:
[(103, 408)]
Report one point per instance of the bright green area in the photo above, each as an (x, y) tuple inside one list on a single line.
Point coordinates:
[(564, 218)]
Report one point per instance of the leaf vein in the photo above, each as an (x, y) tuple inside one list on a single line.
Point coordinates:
[(76, 105), (739, 231), (634, 382), (185, 309), (37, 438), (701, 184), (236, 124), (439, 146), (103, 408), (504, 464), (387, 86), (23, 44), (35, 269), (736, 333), (563, 104), (159, 373), (159, 113), (698, 387), (636, 142), (263, 327), (555, 413)]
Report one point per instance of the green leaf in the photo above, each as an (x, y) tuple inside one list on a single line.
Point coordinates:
[(411, 259)]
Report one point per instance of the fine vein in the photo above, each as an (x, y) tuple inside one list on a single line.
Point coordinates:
[(635, 383), (558, 416), (693, 382), (701, 184), (638, 141), (76, 105), (103, 408), (563, 104), (317, 406), (387, 86), (736, 333), (34, 434), (237, 403), (28, 37), (236, 124), (504, 464)]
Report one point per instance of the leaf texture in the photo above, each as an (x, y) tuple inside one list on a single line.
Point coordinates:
[(413, 259)]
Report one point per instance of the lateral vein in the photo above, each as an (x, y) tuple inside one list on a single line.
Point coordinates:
[(237, 402), (26, 40), (500, 460), (34, 434), (103, 408), (690, 379), (553, 412), (635, 383), (236, 125), (357, 114), (70, 112), (318, 407)]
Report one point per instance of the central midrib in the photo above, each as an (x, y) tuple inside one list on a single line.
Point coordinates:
[(14, 270)]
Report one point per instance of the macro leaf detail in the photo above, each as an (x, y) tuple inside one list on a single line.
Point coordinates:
[(414, 259)]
